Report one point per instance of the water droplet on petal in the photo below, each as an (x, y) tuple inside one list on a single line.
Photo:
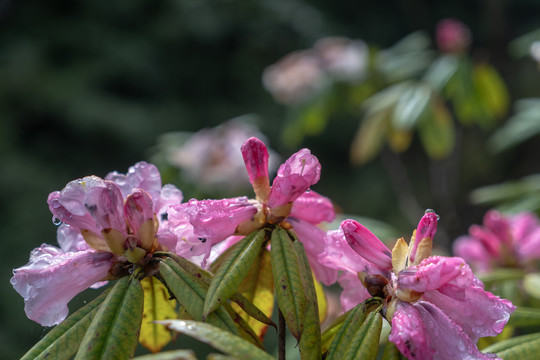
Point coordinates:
[(431, 211), (56, 221), (308, 190)]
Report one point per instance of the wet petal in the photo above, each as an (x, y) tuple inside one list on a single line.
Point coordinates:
[(367, 245), (313, 207), (294, 177), (141, 175), (138, 209), (427, 227), (70, 239), (84, 221), (168, 196), (409, 333), (52, 278), (255, 157), (106, 206)]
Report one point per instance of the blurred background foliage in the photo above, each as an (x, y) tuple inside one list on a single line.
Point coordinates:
[(93, 86)]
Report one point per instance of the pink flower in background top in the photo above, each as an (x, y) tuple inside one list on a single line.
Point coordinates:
[(437, 308), (503, 240), (106, 224), (453, 36), (288, 202)]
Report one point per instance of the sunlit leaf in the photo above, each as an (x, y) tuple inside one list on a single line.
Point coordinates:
[(412, 104), (358, 336), (399, 140), (441, 71), (157, 306), (190, 293), (310, 342), (525, 317), (224, 341), (330, 332), (321, 300), (233, 270), (258, 289), (437, 133), (524, 347), (290, 293), (370, 137), (114, 331), (531, 284), (492, 92), (195, 270), (63, 340), (169, 355)]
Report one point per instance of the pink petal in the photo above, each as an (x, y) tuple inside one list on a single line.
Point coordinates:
[(472, 250), (294, 177), (423, 331), (70, 239), (141, 175), (528, 248), (52, 278), (138, 208), (313, 207), (106, 206), (366, 244), (187, 244), (491, 242), (255, 157), (168, 196), (427, 227), (353, 291), (523, 224), (313, 240), (499, 226), (84, 221)]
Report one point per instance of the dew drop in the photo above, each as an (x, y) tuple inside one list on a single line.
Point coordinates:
[(56, 221), (431, 211), (308, 190)]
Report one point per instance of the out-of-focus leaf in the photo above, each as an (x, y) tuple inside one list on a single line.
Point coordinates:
[(114, 331), (190, 293), (521, 46), (290, 292), (224, 341), (358, 337), (412, 104), (169, 355), (385, 99), (399, 140), (63, 340), (519, 128), (487, 341), (492, 92), (308, 119), (525, 317), (437, 133), (524, 347), (391, 352), (369, 138), (157, 306), (310, 342), (500, 275), (441, 71), (258, 288), (233, 270), (531, 285)]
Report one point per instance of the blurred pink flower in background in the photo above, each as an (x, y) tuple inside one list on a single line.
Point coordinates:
[(345, 59), (210, 158), (502, 241), (453, 36), (437, 308), (106, 225)]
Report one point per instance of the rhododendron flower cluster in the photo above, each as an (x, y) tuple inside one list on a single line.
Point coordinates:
[(107, 224), (503, 240), (436, 306), (288, 202)]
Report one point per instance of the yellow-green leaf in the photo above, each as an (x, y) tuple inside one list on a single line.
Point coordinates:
[(224, 341), (157, 306), (492, 91), (233, 270), (321, 300), (114, 330), (63, 340), (524, 347), (369, 138), (525, 317), (437, 133), (391, 352)]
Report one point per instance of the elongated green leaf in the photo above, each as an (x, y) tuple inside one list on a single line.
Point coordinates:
[(157, 306), (193, 269), (114, 331), (524, 317), (169, 355), (310, 342), (190, 292), (290, 293), (221, 258), (245, 330), (369, 139), (224, 341), (500, 275), (437, 133), (441, 71), (330, 332), (492, 92), (391, 352), (63, 341), (412, 103), (358, 332), (524, 347), (233, 270), (531, 284)]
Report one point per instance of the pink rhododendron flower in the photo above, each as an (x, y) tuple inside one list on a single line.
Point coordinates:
[(288, 202), (107, 224), (503, 240), (437, 307), (452, 36)]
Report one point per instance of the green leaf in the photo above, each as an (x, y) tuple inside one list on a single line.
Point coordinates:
[(290, 293), (114, 331), (157, 306), (531, 284), (412, 104), (524, 347), (224, 341), (441, 71), (437, 132), (358, 337), (169, 355), (370, 137), (245, 330), (63, 340), (310, 342), (195, 270), (331, 331), (524, 317), (500, 275), (391, 352), (233, 270), (257, 290), (190, 293), (492, 92)]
